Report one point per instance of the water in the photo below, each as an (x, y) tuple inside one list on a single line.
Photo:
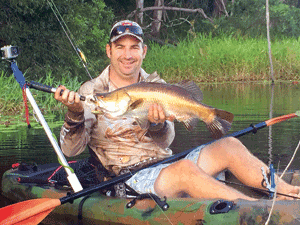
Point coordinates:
[(251, 103)]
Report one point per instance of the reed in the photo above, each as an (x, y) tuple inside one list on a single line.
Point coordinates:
[(225, 58)]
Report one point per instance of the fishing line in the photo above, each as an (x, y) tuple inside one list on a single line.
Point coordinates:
[(286, 168), (69, 35), (274, 199)]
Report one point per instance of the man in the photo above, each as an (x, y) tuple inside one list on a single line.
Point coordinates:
[(119, 144)]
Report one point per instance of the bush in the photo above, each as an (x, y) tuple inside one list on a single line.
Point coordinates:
[(32, 26)]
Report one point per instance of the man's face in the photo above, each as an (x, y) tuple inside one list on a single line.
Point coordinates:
[(126, 55)]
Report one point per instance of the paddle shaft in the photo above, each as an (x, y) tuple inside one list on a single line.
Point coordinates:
[(251, 128), (72, 178)]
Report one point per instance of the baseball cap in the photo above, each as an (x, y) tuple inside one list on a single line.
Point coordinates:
[(126, 27)]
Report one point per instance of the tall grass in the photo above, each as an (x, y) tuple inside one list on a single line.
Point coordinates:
[(11, 99), (224, 58)]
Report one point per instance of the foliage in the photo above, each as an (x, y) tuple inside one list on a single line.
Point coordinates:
[(245, 17), (121, 8), (248, 17), (285, 20), (32, 26)]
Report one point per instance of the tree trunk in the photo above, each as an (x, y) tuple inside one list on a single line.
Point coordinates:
[(139, 16), (219, 8), (157, 16)]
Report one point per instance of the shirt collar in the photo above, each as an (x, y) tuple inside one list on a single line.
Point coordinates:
[(105, 77)]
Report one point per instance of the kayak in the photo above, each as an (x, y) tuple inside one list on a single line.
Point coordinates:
[(24, 182)]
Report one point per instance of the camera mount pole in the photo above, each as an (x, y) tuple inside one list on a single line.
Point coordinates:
[(72, 178)]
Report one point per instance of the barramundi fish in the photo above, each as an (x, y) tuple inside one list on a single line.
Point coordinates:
[(182, 100)]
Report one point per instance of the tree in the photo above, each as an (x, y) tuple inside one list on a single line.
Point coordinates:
[(157, 16), (32, 26), (139, 5)]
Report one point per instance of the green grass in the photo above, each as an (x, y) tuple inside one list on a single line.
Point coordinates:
[(225, 58)]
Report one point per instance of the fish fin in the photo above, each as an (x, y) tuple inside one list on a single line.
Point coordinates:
[(193, 88), (140, 116), (123, 100), (136, 104), (221, 124), (190, 123)]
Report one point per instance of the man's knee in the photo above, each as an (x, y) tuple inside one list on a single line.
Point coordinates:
[(231, 141), (229, 145), (175, 177), (184, 163)]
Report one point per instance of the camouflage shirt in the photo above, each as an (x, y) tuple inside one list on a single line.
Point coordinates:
[(117, 142)]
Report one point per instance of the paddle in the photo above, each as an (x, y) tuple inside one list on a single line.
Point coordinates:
[(36, 210)]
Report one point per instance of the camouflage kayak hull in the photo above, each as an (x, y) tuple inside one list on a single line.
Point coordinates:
[(100, 209)]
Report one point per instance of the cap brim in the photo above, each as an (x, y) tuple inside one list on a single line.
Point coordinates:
[(124, 34)]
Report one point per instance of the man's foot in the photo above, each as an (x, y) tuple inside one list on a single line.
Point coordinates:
[(294, 194)]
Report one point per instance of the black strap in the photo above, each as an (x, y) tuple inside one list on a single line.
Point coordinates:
[(162, 203), (254, 131), (80, 207)]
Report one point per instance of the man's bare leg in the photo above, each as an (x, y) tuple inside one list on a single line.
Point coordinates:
[(185, 176), (231, 154), (198, 182)]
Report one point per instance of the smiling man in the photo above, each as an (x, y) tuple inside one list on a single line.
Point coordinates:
[(119, 145), (126, 52)]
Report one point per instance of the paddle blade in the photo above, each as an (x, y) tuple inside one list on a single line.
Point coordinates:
[(281, 118), (28, 212)]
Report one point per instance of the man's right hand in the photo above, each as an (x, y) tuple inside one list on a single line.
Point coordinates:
[(69, 98)]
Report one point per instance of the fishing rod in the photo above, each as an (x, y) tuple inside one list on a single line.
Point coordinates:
[(42, 207), (48, 89), (69, 36), (10, 53)]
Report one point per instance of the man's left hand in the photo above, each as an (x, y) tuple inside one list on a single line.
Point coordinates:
[(157, 115)]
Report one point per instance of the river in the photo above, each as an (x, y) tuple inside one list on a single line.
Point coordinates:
[(251, 103)]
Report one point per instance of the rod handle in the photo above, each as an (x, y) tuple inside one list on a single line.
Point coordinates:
[(48, 89)]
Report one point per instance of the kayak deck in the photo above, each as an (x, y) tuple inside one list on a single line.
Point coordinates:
[(101, 209)]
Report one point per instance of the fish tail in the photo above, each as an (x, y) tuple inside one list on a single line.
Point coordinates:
[(220, 124)]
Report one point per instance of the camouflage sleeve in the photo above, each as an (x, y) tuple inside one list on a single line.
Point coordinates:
[(75, 132)]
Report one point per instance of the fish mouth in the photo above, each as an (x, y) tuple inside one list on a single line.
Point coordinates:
[(103, 107), (91, 99)]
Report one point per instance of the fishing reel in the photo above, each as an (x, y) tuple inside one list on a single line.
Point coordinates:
[(9, 52)]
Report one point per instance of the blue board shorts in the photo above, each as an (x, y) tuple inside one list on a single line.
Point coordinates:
[(143, 181)]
